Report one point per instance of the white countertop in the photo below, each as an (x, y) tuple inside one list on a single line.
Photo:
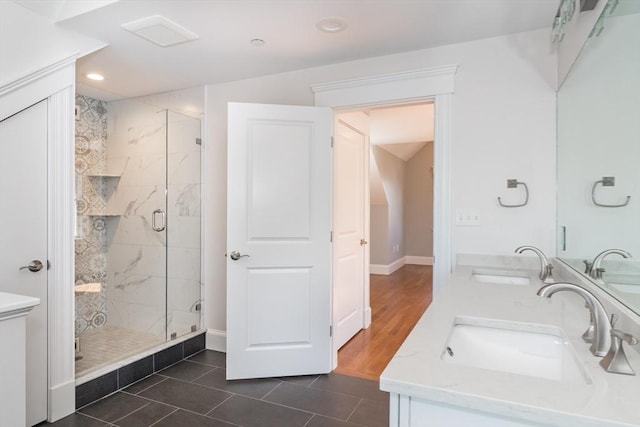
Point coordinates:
[(417, 368), (12, 303)]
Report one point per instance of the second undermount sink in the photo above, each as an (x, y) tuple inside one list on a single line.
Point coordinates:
[(532, 350), (501, 277)]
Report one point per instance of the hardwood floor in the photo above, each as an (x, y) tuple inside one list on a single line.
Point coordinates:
[(397, 302)]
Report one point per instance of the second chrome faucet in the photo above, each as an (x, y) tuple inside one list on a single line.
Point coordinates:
[(545, 265)]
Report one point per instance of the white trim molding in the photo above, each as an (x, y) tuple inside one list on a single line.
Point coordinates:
[(418, 260), (61, 253), (404, 86), (387, 269), (431, 84), (216, 340), (36, 86)]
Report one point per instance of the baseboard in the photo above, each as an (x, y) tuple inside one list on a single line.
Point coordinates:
[(378, 269), (419, 260), (385, 270), (216, 340), (62, 400)]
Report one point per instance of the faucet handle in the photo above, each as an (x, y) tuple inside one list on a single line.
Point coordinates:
[(630, 339), (616, 360), (587, 266), (597, 273)]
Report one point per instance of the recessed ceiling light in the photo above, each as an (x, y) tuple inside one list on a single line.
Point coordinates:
[(257, 42), (95, 76), (332, 25)]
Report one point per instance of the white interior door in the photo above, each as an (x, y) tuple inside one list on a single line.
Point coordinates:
[(349, 235), (23, 191), (278, 240)]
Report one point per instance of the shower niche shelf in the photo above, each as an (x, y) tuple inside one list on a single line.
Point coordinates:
[(103, 214), (104, 175)]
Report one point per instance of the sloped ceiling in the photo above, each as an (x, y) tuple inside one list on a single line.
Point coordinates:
[(403, 130)]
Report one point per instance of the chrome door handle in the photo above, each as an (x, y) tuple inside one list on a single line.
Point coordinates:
[(35, 265), (153, 220), (235, 255)]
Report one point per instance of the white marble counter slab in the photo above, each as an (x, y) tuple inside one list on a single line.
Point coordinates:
[(417, 368), (12, 304)]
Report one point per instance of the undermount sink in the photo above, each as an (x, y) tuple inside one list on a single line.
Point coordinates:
[(532, 350), (500, 277)]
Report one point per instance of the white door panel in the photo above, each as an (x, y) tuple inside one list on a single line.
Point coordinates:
[(23, 191), (348, 257), (279, 214)]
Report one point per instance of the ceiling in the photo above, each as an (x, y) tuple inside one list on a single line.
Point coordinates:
[(133, 66)]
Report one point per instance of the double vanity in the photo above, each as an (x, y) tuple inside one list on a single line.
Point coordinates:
[(492, 352)]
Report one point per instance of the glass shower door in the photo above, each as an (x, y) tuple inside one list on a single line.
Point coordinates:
[(183, 218)]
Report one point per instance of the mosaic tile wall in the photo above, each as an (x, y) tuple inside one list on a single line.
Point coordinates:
[(91, 237)]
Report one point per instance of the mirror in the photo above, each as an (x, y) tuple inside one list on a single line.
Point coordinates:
[(599, 154)]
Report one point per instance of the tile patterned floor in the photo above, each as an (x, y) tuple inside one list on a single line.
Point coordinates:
[(106, 345), (195, 393)]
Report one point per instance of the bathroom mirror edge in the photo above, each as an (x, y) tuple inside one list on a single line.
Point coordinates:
[(598, 140)]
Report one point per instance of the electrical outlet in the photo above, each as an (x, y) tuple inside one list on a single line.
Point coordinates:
[(467, 217)]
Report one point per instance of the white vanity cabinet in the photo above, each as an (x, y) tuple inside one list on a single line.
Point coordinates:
[(407, 411), (13, 312)]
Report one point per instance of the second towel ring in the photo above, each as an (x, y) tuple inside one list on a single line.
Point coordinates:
[(513, 183), (607, 181)]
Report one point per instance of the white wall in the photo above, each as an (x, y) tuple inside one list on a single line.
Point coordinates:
[(503, 127), (30, 42), (418, 213), (392, 171)]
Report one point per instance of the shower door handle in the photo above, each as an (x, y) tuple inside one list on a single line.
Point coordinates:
[(153, 220)]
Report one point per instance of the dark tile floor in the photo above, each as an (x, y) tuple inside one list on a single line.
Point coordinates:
[(195, 393)]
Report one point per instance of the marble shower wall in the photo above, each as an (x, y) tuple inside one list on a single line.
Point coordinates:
[(136, 255), (90, 242), (154, 277)]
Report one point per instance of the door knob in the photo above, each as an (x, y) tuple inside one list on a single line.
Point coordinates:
[(235, 255), (35, 265)]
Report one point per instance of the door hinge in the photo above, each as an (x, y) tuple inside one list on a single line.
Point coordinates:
[(331, 142), (331, 236), (330, 330), (199, 141)]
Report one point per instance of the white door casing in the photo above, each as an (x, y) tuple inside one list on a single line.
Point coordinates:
[(23, 189), (279, 215), (431, 84), (348, 233)]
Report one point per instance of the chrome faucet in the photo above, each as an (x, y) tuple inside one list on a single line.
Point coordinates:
[(602, 327), (596, 271), (545, 266)]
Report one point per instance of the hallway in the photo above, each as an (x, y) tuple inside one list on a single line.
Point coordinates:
[(397, 302)]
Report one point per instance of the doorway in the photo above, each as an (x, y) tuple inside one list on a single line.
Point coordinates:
[(399, 218)]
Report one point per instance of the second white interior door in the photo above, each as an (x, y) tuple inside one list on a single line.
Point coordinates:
[(348, 230)]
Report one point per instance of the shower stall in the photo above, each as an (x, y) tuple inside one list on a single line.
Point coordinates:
[(138, 241)]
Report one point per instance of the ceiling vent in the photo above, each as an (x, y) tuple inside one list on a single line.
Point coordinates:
[(160, 30)]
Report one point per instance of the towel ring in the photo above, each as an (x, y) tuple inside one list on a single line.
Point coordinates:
[(606, 181), (513, 183)]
